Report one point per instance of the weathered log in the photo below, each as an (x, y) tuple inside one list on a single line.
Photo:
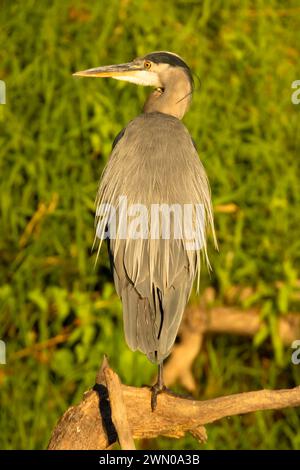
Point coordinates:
[(94, 423)]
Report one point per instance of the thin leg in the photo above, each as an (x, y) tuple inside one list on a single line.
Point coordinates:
[(158, 387), (160, 378)]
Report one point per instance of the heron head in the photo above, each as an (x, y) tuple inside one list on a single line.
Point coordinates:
[(165, 71)]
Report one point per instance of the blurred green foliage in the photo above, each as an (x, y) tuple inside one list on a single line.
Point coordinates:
[(55, 137)]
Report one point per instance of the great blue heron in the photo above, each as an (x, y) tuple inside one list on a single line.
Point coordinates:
[(153, 163)]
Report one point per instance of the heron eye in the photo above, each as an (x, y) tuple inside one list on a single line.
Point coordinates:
[(147, 64)]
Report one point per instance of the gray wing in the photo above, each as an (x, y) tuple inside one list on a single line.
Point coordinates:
[(152, 311), (153, 161)]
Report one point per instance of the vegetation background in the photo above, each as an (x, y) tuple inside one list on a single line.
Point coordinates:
[(59, 315)]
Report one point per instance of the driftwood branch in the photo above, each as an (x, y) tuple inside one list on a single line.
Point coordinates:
[(98, 421), (118, 409)]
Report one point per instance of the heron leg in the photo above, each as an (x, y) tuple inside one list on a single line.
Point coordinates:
[(158, 387)]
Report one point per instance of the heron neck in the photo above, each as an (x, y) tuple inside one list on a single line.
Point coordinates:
[(173, 98)]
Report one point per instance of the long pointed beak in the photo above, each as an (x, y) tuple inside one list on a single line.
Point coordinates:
[(114, 71)]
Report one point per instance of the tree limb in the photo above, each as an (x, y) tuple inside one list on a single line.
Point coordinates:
[(89, 424), (118, 409)]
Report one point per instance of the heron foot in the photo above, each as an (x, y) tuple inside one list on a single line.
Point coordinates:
[(156, 389)]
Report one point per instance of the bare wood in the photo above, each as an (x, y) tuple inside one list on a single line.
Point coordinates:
[(199, 433), (248, 323), (118, 409), (237, 321), (87, 426)]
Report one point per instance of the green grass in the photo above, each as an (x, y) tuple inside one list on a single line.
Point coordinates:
[(55, 137)]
